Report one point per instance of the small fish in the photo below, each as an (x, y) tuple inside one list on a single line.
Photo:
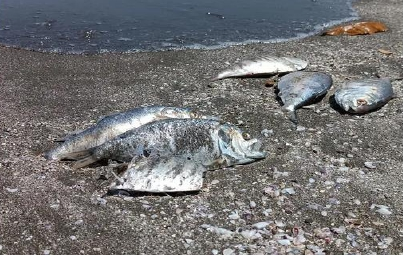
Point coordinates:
[(172, 155), (359, 28), (113, 125), (299, 88), (365, 95), (263, 67)]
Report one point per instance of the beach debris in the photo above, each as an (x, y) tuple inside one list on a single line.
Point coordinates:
[(359, 28), (110, 126), (223, 232), (362, 96), (300, 88), (386, 52), (264, 66), (172, 155), (381, 209)]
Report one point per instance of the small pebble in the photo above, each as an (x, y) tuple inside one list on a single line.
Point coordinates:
[(284, 242), (301, 128), (267, 132), (46, 252), (260, 225), (12, 190), (324, 213), (214, 182), (369, 165), (252, 204), (73, 238), (214, 252), (228, 251)]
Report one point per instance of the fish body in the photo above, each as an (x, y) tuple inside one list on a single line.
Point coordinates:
[(113, 125), (365, 95), (299, 88), (359, 28), (262, 67), (172, 155)]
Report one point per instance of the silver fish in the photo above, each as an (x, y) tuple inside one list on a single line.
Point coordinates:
[(113, 125), (365, 95), (172, 155), (299, 88), (262, 67)]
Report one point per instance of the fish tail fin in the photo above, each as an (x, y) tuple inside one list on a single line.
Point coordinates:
[(292, 116), (85, 162)]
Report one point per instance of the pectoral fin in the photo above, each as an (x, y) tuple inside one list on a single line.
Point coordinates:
[(176, 174)]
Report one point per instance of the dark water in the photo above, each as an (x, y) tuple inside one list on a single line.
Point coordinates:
[(77, 26)]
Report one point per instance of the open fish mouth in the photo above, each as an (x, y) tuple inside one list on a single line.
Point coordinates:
[(236, 149)]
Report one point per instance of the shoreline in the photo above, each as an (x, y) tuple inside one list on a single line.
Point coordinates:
[(343, 168), (221, 45)]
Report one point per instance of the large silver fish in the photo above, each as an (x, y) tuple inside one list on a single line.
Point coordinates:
[(262, 67), (172, 155), (365, 95), (299, 88), (113, 125)]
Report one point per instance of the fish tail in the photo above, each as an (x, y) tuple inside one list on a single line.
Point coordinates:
[(293, 117), (85, 162), (291, 114)]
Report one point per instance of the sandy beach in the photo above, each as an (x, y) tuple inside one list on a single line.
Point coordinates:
[(334, 186)]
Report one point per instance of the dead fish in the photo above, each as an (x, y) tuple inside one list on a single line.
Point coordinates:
[(263, 67), (174, 143), (360, 28), (116, 124), (173, 155), (365, 95), (299, 88)]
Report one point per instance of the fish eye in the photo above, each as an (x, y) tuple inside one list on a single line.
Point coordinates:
[(246, 136)]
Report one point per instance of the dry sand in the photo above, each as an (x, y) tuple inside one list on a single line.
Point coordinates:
[(341, 168)]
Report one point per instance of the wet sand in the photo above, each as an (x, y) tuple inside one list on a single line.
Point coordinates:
[(49, 208)]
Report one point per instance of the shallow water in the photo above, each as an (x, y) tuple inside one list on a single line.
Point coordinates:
[(77, 26)]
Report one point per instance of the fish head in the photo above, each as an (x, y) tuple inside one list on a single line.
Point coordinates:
[(237, 147), (299, 64)]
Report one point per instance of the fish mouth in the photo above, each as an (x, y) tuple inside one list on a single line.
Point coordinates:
[(253, 149), (236, 149)]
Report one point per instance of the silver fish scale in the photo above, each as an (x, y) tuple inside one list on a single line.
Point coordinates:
[(298, 88), (364, 95), (164, 137)]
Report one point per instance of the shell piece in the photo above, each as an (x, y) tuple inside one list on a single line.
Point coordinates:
[(365, 95), (360, 28), (299, 88), (262, 67), (110, 126)]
